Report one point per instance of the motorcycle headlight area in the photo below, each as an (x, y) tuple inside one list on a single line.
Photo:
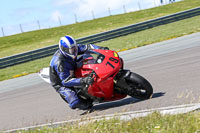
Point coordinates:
[(115, 54)]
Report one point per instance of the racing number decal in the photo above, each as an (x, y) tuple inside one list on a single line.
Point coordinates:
[(113, 60), (108, 63)]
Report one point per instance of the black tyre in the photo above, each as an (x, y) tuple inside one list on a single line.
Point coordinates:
[(141, 88)]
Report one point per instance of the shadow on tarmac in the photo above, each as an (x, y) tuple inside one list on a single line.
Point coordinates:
[(122, 102)]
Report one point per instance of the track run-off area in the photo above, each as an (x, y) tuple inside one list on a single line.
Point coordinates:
[(172, 67)]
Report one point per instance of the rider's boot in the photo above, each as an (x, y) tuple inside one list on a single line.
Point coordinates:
[(73, 100), (82, 105)]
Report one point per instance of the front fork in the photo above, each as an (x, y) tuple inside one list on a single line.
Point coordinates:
[(121, 85)]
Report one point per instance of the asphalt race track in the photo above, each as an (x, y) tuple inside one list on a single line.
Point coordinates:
[(172, 67)]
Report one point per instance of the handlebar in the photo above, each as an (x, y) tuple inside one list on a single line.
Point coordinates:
[(93, 73)]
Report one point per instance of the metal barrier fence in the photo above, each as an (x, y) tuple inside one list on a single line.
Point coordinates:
[(49, 51)]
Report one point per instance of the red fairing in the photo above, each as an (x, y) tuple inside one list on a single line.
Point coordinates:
[(106, 70)]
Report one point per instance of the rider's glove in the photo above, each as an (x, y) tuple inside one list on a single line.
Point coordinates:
[(104, 48), (87, 80)]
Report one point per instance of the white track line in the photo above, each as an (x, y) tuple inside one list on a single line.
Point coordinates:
[(122, 116)]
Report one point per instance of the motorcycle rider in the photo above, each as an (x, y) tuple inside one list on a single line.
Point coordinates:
[(62, 67)]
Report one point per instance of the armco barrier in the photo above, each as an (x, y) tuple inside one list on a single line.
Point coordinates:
[(48, 51)]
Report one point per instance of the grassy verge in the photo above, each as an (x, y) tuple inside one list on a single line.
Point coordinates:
[(154, 123), (157, 34), (24, 69), (138, 39), (36, 39)]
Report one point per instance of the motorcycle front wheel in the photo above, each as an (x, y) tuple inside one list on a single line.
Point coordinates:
[(140, 87)]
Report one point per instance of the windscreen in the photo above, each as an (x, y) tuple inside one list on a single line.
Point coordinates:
[(92, 57)]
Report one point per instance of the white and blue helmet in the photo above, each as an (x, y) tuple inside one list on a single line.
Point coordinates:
[(68, 46)]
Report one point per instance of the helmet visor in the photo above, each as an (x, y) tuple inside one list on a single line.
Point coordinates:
[(70, 51)]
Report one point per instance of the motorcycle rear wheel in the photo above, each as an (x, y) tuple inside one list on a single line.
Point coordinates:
[(141, 88)]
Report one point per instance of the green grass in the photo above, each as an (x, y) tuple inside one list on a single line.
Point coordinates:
[(138, 39), (24, 69), (157, 34), (154, 123), (36, 39)]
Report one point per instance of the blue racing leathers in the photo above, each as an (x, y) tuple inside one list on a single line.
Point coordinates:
[(62, 75)]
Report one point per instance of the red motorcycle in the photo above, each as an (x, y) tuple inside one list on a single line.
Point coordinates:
[(111, 80)]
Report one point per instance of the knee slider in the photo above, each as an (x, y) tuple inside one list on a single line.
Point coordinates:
[(74, 104), (70, 96)]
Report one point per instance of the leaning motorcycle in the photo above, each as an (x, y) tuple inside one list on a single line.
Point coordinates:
[(111, 80)]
